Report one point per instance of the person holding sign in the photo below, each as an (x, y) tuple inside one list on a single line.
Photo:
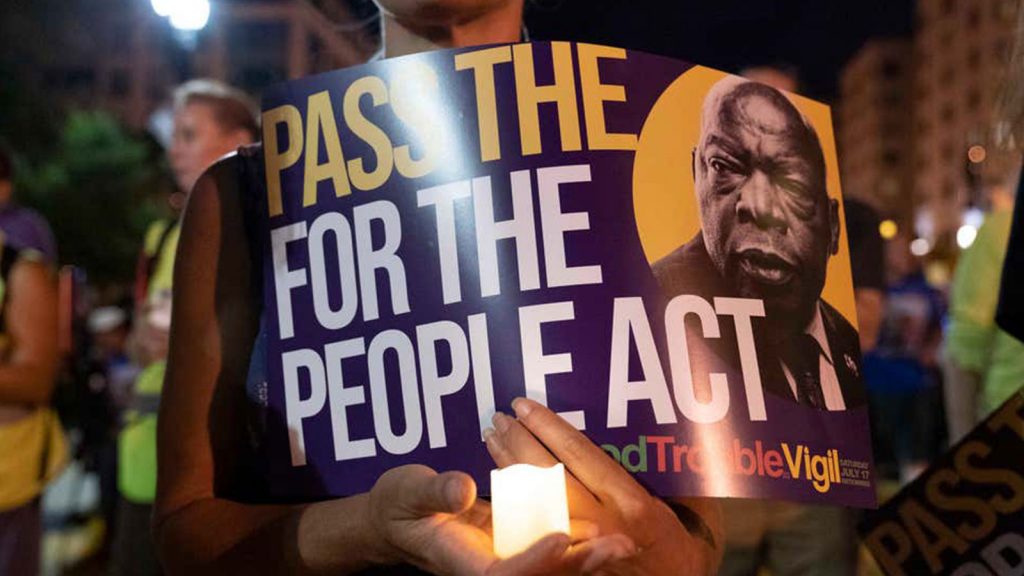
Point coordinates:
[(213, 513), (769, 229)]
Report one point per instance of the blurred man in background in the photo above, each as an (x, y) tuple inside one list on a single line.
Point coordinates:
[(211, 119), (902, 374), (983, 365)]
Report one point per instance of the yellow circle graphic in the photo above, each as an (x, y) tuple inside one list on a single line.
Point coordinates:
[(664, 203)]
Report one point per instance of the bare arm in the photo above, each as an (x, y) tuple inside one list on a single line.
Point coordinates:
[(27, 377)]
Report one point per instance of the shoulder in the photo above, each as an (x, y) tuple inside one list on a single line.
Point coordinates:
[(846, 358), (839, 328), (36, 218), (687, 269)]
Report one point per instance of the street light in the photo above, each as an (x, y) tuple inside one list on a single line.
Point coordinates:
[(184, 15), (190, 15), (162, 8)]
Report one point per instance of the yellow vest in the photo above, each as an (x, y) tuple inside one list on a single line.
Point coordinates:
[(136, 445), (32, 451)]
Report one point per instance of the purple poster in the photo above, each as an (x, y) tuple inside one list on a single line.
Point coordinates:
[(654, 250)]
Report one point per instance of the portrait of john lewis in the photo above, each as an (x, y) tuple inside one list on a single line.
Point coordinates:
[(768, 229)]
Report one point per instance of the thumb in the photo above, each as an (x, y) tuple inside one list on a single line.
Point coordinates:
[(422, 492)]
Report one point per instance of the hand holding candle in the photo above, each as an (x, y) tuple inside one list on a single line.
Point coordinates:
[(602, 492)]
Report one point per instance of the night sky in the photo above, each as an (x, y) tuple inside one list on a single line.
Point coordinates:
[(815, 36)]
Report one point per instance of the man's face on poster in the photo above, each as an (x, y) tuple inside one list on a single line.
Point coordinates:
[(768, 223)]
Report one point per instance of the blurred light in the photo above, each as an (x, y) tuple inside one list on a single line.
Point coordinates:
[(977, 154), (965, 236), (920, 247), (162, 8), (888, 229), (973, 216), (190, 14), (937, 273)]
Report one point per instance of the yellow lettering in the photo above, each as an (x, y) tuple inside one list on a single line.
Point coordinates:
[(819, 470), (990, 476), (938, 498), (276, 160), (916, 518), (1011, 416), (596, 94), (482, 63), (891, 558), (410, 90), (791, 462), (562, 93), (320, 118), (369, 133)]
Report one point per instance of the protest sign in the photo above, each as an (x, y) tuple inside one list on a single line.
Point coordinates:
[(962, 516), (448, 231)]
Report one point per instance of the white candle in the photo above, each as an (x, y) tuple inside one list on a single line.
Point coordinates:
[(527, 503)]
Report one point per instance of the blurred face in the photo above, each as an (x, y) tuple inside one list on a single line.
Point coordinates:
[(198, 141), (767, 221), (435, 12)]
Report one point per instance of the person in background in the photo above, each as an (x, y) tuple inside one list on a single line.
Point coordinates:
[(902, 372), (32, 448), (214, 514), (867, 262), (984, 363), (23, 227), (211, 119), (109, 375)]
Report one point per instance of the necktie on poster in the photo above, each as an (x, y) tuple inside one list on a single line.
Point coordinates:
[(623, 237)]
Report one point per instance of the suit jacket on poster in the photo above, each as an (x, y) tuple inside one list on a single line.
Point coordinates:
[(689, 270)]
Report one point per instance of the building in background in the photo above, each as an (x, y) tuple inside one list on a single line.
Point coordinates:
[(916, 120), (125, 58), (961, 49), (873, 129)]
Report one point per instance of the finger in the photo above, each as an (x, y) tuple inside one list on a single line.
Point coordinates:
[(501, 455), (520, 443), (589, 463), (599, 552), (543, 557), (583, 530), (420, 491), (510, 443)]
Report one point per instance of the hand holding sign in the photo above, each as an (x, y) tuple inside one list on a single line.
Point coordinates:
[(600, 491)]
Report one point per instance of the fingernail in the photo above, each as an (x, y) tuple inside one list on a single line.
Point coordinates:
[(488, 434), (558, 542), (522, 407), (454, 492), (631, 548), (501, 422)]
